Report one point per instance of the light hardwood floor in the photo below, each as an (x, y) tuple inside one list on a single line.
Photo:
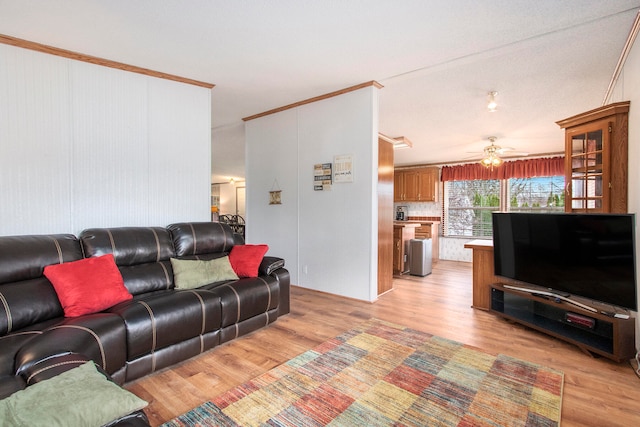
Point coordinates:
[(597, 392)]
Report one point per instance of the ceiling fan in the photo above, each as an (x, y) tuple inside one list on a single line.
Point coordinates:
[(493, 154)]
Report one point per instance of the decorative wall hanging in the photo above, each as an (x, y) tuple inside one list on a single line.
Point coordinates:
[(343, 168), (322, 177), (275, 195)]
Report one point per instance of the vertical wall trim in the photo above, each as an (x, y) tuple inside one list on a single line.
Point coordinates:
[(623, 58)]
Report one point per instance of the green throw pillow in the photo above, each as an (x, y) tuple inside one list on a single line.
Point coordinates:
[(80, 397), (189, 274)]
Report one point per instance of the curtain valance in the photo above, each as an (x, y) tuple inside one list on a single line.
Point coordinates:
[(529, 168)]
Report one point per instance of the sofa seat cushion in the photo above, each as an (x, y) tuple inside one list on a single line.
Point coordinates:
[(246, 298), (100, 337), (83, 396), (162, 319)]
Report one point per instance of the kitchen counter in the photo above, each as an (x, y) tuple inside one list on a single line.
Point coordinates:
[(483, 274), (425, 229), (415, 221)]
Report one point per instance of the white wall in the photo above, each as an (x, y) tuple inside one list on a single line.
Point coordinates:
[(628, 89), (228, 197), (90, 146), (328, 238)]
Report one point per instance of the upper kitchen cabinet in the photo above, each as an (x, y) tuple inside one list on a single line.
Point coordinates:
[(596, 159), (415, 185)]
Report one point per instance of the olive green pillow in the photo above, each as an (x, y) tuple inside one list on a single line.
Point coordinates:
[(81, 396), (189, 274)]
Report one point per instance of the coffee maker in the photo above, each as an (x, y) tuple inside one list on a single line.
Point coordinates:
[(401, 213)]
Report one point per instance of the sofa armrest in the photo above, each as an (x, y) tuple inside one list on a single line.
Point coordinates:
[(54, 365), (273, 266), (9, 384), (136, 419), (270, 264)]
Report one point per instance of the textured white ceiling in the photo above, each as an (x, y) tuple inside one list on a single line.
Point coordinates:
[(437, 59)]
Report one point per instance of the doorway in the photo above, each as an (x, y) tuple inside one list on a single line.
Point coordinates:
[(240, 201)]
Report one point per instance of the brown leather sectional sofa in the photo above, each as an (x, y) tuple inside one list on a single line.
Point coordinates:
[(159, 327)]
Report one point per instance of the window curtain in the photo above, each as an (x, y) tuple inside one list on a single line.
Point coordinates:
[(529, 168)]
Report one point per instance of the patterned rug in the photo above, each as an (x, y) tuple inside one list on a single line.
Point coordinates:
[(382, 374)]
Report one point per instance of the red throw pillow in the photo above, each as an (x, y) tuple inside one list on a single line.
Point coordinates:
[(88, 285), (245, 259)]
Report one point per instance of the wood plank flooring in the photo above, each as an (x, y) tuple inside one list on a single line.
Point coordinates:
[(597, 391)]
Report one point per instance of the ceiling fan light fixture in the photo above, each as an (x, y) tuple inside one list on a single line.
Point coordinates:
[(491, 158), (492, 105), (491, 161)]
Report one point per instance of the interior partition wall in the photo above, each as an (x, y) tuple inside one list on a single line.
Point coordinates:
[(328, 238), (89, 146)]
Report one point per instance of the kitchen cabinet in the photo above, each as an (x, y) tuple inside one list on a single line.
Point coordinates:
[(402, 234), (415, 184), (596, 160)]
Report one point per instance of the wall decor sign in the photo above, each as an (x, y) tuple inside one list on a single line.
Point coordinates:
[(275, 195), (343, 168), (322, 177)]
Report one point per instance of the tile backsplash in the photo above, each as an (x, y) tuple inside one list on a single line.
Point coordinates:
[(421, 209)]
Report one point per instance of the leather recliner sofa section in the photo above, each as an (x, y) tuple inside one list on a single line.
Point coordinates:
[(159, 327)]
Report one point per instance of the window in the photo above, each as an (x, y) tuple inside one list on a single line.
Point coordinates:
[(541, 194), (468, 204)]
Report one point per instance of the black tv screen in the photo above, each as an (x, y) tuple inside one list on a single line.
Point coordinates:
[(587, 255)]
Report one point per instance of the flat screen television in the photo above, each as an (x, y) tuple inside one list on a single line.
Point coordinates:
[(587, 255)]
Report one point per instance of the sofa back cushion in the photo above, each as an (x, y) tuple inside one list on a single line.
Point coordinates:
[(26, 296), (141, 253), (191, 239)]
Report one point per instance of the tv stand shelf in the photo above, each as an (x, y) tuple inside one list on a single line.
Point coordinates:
[(602, 335)]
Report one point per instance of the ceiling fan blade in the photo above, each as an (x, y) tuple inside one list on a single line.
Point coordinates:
[(504, 149), (514, 154)]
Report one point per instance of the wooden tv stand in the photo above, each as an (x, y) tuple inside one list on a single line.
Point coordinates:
[(593, 332)]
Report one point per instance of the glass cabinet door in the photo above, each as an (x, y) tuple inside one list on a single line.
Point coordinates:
[(587, 191), (588, 173)]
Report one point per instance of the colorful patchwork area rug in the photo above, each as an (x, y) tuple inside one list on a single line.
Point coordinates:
[(382, 374)]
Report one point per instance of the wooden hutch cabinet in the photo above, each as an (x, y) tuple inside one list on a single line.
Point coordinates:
[(596, 159), (415, 185)]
